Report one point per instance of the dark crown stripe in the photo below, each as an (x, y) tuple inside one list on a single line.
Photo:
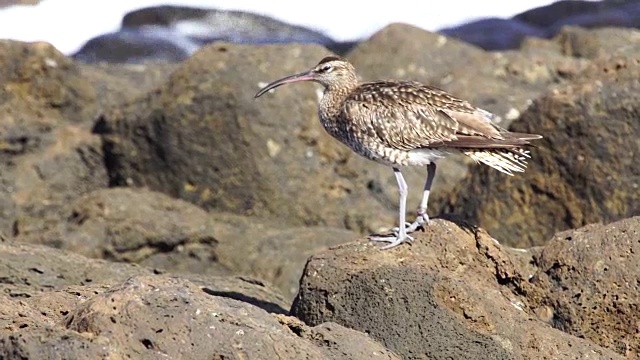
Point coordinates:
[(329, 58)]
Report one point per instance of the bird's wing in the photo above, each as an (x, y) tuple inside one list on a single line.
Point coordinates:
[(410, 115)]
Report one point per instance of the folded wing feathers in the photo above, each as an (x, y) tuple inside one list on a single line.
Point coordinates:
[(416, 117), (489, 144)]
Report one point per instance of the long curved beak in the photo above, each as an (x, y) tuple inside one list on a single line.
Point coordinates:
[(305, 76)]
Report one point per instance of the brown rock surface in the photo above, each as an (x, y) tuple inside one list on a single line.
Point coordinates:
[(155, 230), (30, 269), (138, 226), (582, 172), (48, 104), (133, 317), (50, 343), (150, 316), (57, 280), (588, 281), (455, 293), (122, 83), (594, 43), (41, 89), (46, 109)]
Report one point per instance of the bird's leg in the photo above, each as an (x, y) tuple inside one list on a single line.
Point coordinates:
[(400, 233), (422, 217)]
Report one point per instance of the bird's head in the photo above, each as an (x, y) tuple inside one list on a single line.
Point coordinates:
[(331, 72)]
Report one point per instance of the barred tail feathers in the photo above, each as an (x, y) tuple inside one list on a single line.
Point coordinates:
[(506, 161)]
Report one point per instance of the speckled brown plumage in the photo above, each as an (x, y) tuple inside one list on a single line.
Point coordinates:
[(405, 123)]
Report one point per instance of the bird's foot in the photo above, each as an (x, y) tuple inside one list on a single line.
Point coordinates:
[(398, 237), (393, 239), (407, 228), (422, 220)]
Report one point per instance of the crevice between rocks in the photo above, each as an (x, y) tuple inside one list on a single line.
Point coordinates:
[(505, 272)]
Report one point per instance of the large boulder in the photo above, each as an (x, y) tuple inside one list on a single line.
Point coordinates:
[(454, 293), (47, 109), (588, 284), (116, 84), (49, 156), (582, 172), (147, 317)]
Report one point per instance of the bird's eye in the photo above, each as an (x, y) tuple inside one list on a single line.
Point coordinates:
[(326, 68)]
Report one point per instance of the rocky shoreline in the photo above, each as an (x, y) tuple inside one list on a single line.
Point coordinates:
[(158, 211)]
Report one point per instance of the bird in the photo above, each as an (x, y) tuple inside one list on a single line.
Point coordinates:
[(401, 123)]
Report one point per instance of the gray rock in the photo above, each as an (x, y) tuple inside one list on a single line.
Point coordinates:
[(173, 33), (117, 84), (50, 343), (494, 33), (546, 22), (231, 26), (622, 16), (28, 270), (137, 46), (56, 281), (547, 16)]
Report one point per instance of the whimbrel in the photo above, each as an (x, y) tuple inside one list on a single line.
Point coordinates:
[(406, 123)]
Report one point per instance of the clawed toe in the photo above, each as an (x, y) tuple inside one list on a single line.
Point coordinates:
[(393, 240), (388, 238), (398, 237), (396, 230)]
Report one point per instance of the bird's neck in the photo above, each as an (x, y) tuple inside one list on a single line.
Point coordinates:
[(331, 103), (333, 98), (330, 109)]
